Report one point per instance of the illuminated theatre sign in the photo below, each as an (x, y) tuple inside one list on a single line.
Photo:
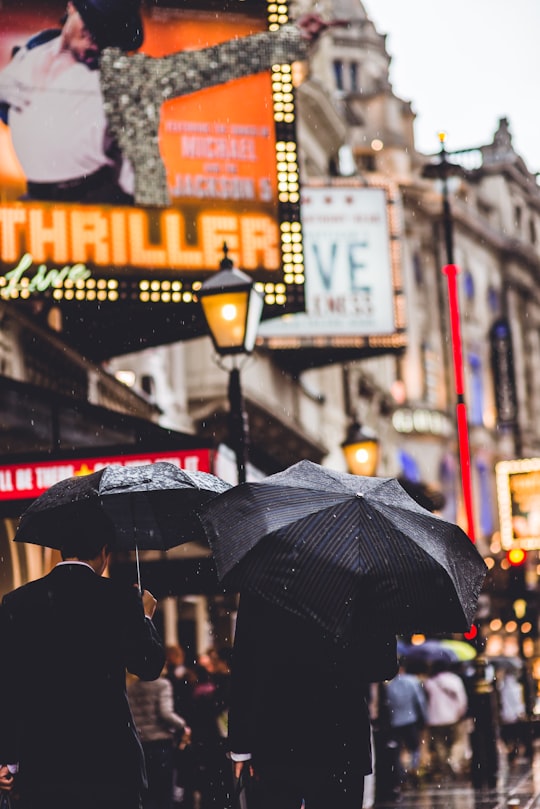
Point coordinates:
[(518, 495), (226, 167)]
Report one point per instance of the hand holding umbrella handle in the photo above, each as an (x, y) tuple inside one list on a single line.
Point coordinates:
[(6, 779), (149, 603)]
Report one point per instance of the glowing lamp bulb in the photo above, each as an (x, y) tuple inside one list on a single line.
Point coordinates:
[(228, 312)]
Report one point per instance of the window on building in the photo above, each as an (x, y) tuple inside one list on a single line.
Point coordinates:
[(366, 162), (431, 363), (338, 74), (476, 410), (148, 384), (484, 209), (417, 268), (409, 467), (448, 475), (532, 231), (485, 498), (353, 73), (517, 216), (494, 300), (468, 285)]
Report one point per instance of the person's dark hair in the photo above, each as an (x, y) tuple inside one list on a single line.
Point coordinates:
[(415, 666), (438, 666), (113, 23), (202, 675), (86, 530)]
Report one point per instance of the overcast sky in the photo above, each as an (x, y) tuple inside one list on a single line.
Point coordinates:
[(464, 64)]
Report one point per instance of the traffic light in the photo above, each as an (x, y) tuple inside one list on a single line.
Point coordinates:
[(517, 563), (516, 557), (472, 633)]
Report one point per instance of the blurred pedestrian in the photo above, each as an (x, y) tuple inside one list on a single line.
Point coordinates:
[(221, 677), (214, 773), (70, 728), (447, 706), (183, 680), (161, 730), (512, 711), (407, 706)]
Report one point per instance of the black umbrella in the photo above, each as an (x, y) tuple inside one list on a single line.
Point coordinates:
[(152, 507), (320, 543)]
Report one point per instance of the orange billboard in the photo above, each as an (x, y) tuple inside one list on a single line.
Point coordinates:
[(124, 173)]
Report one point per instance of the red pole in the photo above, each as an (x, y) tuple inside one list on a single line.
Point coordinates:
[(451, 271)]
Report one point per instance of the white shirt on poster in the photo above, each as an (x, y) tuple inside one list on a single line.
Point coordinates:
[(56, 116)]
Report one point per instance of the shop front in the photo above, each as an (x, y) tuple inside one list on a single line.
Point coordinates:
[(183, 579)]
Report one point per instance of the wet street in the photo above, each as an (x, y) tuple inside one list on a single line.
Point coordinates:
[(518, 787)]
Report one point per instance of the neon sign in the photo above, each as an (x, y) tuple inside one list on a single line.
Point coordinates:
[(15, 281), (29, 480)]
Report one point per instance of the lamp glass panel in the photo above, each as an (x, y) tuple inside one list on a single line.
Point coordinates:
[(226, 317), (256, 303), (362, 458)]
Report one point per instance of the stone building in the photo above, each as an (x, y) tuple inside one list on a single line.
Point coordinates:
[(351, 123)]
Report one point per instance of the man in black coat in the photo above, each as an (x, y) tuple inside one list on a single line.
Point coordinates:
[(67, 640), (298, 708)]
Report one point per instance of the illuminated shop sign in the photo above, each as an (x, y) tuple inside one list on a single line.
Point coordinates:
[(191, 163), (421, 420), (29, 480), (354, 295), (518, 495)]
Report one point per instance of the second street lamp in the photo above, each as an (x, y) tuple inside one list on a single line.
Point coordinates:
[(232, 308), (361, 450)]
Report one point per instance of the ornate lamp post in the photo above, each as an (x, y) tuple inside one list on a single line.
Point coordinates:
[(361, 450), (233, 308)]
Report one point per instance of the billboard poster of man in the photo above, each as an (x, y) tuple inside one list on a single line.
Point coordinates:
[(135, 140), (89, 122)]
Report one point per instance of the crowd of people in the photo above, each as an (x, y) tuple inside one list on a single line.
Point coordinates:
[(424, 721), (438, 720), (182, 721)]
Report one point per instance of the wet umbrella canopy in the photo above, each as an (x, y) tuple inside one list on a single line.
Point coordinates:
[(152, 507), (326, 544)]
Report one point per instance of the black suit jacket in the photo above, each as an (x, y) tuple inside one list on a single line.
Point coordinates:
[(298, 698), (67, 640)]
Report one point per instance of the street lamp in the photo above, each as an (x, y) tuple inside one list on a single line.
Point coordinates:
[(233, 308), (361, 450)]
